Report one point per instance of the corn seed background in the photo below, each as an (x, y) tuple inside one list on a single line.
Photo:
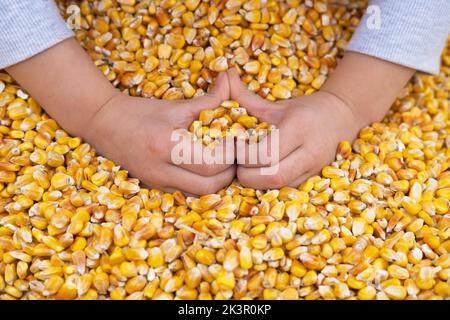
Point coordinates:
[(374, 225)]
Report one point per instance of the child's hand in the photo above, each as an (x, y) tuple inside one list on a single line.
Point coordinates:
[(310, 127), (136, 134), (133, 132), (358, 92)]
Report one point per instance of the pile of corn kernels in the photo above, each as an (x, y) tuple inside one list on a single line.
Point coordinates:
[(374, 225)]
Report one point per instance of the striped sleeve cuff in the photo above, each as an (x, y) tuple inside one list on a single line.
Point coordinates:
[(28, 28), (412, 33)]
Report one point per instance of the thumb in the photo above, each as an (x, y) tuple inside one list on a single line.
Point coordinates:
[(219, 92), (255, 104)]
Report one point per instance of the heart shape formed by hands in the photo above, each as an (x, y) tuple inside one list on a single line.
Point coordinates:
[(309, 131)]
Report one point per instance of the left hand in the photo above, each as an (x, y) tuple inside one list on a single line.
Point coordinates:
[(310, 129)]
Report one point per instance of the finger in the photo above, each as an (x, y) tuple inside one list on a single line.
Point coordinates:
[(186, 181), (282, 174), (273, 148), (206, 161), (255, 104), (218, 93)]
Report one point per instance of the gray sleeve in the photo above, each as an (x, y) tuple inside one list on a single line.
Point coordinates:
[(412, 33), (28, 27)]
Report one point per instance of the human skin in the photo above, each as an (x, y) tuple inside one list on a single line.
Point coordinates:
[(133, 132), (359, 92)]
